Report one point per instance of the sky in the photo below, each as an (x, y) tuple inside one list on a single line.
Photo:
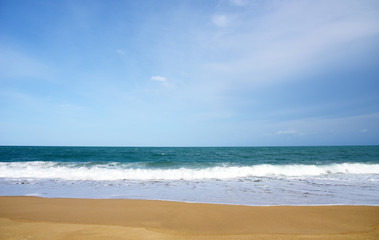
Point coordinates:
[(189, 72)]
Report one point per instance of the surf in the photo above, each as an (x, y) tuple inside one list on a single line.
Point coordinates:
[(115, 171)]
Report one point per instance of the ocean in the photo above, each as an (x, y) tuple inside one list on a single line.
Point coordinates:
[(347, 175)]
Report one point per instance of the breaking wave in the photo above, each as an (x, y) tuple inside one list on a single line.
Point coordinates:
[(111, 171)]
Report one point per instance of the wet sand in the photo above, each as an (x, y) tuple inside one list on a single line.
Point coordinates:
[(43, 218)]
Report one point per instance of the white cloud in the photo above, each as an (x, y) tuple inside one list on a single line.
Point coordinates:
[(159, 78), (287, 132), (220, 20), (364, 130)]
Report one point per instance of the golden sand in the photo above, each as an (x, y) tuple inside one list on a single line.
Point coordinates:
[(43, 218)]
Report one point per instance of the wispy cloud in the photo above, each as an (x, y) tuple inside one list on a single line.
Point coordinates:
[(120, 52), (287, 39), (159, 78), (16, 64), (287, 132), (263, 72), (220, 20), (238, 2)]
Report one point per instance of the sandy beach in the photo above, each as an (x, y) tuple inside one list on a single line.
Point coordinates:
[(43, 218)]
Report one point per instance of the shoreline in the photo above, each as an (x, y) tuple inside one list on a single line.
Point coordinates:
[(41, 218), (194, 202)]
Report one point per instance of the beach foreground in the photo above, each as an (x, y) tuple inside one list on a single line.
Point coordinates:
[(43, 218)]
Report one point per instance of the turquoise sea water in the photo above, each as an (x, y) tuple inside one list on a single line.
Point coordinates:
[(233, 175)]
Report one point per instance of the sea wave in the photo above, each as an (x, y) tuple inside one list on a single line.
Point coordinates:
[(112, 171)]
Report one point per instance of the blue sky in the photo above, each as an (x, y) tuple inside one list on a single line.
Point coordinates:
[(189, 73)]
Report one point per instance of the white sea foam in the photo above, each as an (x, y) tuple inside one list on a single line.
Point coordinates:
[(51, 170)]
